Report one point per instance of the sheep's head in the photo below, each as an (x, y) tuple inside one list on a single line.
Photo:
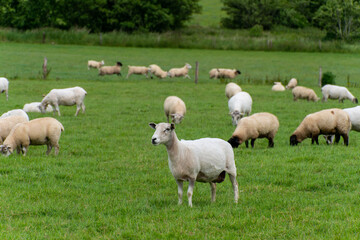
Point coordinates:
[(162, 134), (293, 140), (237, 72), (234, 141), (329, 139), (236, 116), (119, 64), (355, 100), (43, 107), (6, 150), (176, 118), (102, 63), (188, 66)]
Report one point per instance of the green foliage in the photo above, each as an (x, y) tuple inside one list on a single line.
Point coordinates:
[(327, 78), (256, 31)]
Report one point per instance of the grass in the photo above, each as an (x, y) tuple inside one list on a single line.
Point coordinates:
[(109, 182), (210, 15)]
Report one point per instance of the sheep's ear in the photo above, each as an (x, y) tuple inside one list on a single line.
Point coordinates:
[(230, 113), (152, 125), (172, 126), (43, 95)]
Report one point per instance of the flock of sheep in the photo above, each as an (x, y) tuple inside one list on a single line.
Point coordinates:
[(17, 132)]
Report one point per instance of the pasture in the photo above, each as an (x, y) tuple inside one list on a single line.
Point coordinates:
[(109, 182)]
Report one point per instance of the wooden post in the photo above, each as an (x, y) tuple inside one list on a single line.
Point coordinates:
[(196, 72), (101, 40), (320, 76), (45, 68)]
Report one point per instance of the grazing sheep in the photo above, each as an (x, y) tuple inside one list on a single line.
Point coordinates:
[(202, 160), (6, 124), (140, 70), (95, 64), (15, 112), (292, 83), (4, 86), (329, 122), (239, 105), (304, 93), (174, 107), (109, 70), (35, 107), (39, 131), (66, 97), (179, 72), (337, 92), (278, 87), (224, 73), (157, 71), (231, 89), (258, 125)]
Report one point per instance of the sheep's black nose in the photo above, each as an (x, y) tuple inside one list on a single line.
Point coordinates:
[(153, 140)]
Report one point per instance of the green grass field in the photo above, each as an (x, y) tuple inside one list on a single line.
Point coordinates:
[(109, 182)]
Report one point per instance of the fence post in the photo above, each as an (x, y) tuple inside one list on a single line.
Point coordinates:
[(320, 76), (196, 72), (101, 40), (45, 68)]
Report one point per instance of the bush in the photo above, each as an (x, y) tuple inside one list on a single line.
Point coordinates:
[(256, 31), (328, 78)]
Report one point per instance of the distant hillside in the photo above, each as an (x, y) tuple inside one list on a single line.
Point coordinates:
[(211, 14)]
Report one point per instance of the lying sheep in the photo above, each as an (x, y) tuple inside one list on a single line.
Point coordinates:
[(4, 86), (278, 87), (258, 125), (15, 112), (157, 71), (304, 93), (337, 92), (329, 122), (179, 72), (6, 124), (175, 108), (66, 97), (140, 70), (239, 105), (35, 107), (95, 64), (109, 70), (292, 83), (202, 160), (231, 89), (40, 131)]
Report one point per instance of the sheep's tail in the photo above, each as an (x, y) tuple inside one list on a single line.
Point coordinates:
[(61, 127)]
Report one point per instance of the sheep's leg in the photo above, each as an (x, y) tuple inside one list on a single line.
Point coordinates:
[(253, 142), (18, 150), (346, 139), (247, 143), (83, 107), (190, 191), (7, 95), (235, 187), (49, 147), (77, 110), (213, 191), (56, 109), (127, 76), (180, 190), (315, 139), (167, 116), (337, 138), (24, 150), (271, 143)]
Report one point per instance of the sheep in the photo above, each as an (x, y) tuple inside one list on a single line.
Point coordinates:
[(258, 125), (214, 73), (6, 124), (329, 121), (140, 70), (337, 92), (224, 73), (178, 72), (278, 87), (35, 107), (300, 92), (202, 160), (66, 97), (95, 64), (292, 83), (231, 89), (239, 105), (157, 71), (109, 70), (4, 86), (174, 107), (15, 112), (39, 131)]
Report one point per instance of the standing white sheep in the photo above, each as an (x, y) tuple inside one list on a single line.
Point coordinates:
[(157, 71), (140, 70), (239, 106), (109, 70), (337, 92), (15, 112), (65, 97), (231, 89), (35, 107), (300, 92), (4, 86), (278, 87), (202, 160), (179, 72), (95, 64), (292, 83), (175, 108)]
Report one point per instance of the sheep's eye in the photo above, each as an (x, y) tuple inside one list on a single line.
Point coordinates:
[(167, 130)]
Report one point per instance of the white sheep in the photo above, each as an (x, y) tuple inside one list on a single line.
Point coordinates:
[(4, 86), (231, 89), (278, 87), (224, 73), (140, 70), (6, 124), (109, 70), (258, 125), (35, 107), (95, 64), (292, 83), (66, 97), (175, 108), (300, 92), (15, 112), (40, 131), (157, 71), (214, 73), (328, 122), (239, 105), (179, 72), (202, 160), (337, 92)]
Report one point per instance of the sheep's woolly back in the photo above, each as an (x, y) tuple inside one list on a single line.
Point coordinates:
[(15, 112), (174, 105), (241, 102), (228, 73), (231, 89), (337, 92), (292, 83), (157, 71), (304, 93), (278, 87)]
